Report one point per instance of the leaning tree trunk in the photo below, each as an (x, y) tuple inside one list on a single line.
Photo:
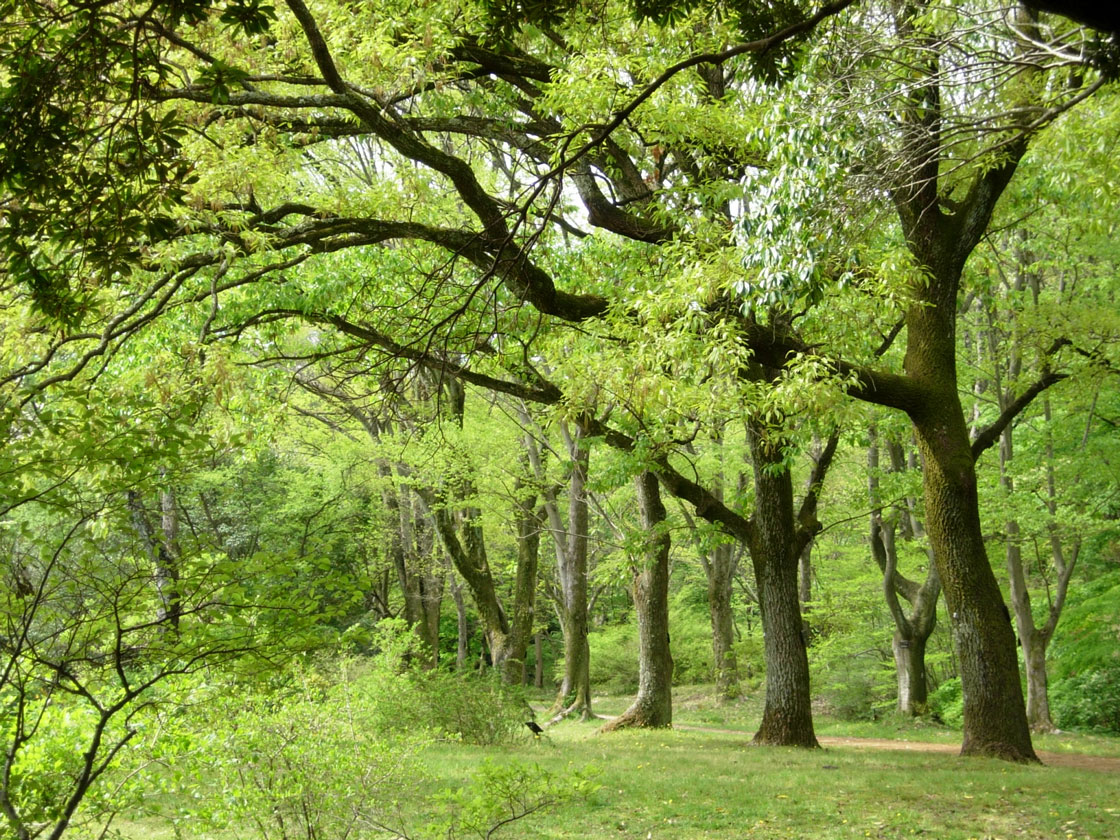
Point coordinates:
[(653, 707), (787, 719), (941, 234), (995, 718)]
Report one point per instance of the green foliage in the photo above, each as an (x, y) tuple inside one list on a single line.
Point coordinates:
[(501, 794), (1089, 700), (614, 648), (337, 750), (474, 708), (946, 703), (1088, 639), (857, 689), (1086, 654)]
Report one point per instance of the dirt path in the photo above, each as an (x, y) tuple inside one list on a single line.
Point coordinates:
[(1075, 761)]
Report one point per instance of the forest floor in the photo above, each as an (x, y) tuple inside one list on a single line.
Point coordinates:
[(1076, 761), (1050, 758)]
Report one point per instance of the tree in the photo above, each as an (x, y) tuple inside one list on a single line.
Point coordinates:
[(912, 631), (466, 291)]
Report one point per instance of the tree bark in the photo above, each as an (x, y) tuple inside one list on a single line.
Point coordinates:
[(787, 718), (720, 567), (529, 522), (574, 694), (653, 707), (163, 549)]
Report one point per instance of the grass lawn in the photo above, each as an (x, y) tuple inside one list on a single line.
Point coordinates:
[(710, 783), (686, 784)]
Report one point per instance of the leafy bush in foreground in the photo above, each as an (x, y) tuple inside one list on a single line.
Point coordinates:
[(337, 751)]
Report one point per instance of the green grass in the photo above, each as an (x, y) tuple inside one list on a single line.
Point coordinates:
[(683, 784)]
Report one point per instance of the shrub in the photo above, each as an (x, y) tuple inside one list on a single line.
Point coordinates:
[(474, 708), (337, 751), (946, 703), (1090, 700)]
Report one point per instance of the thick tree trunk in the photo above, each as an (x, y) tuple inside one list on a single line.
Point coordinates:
[(787, 719), (942, 235), (1038, 698), (653, 707), (995, 721), (910, 662)]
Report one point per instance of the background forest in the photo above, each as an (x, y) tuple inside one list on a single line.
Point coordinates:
[(375, 377)]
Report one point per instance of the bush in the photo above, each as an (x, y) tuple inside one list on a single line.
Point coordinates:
[(337, 751), (946, 703), (614, 652), (474, 708), (1090, 701), (852, 693)]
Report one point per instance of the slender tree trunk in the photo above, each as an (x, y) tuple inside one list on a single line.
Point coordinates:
[(432, 576), (653, 707), (163, 549), (787, 719), (805, 575), (463, 635), (720, 568), (574, 695), (167, 571), (529, 522)]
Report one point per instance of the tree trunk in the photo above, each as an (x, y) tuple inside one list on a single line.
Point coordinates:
[(720, 568), (995, 721), (574, 695), (538, 673), (163, 549), (805, 575), (910, 662), (787, 719), (529, 522), (653, 707), (463, 635)]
